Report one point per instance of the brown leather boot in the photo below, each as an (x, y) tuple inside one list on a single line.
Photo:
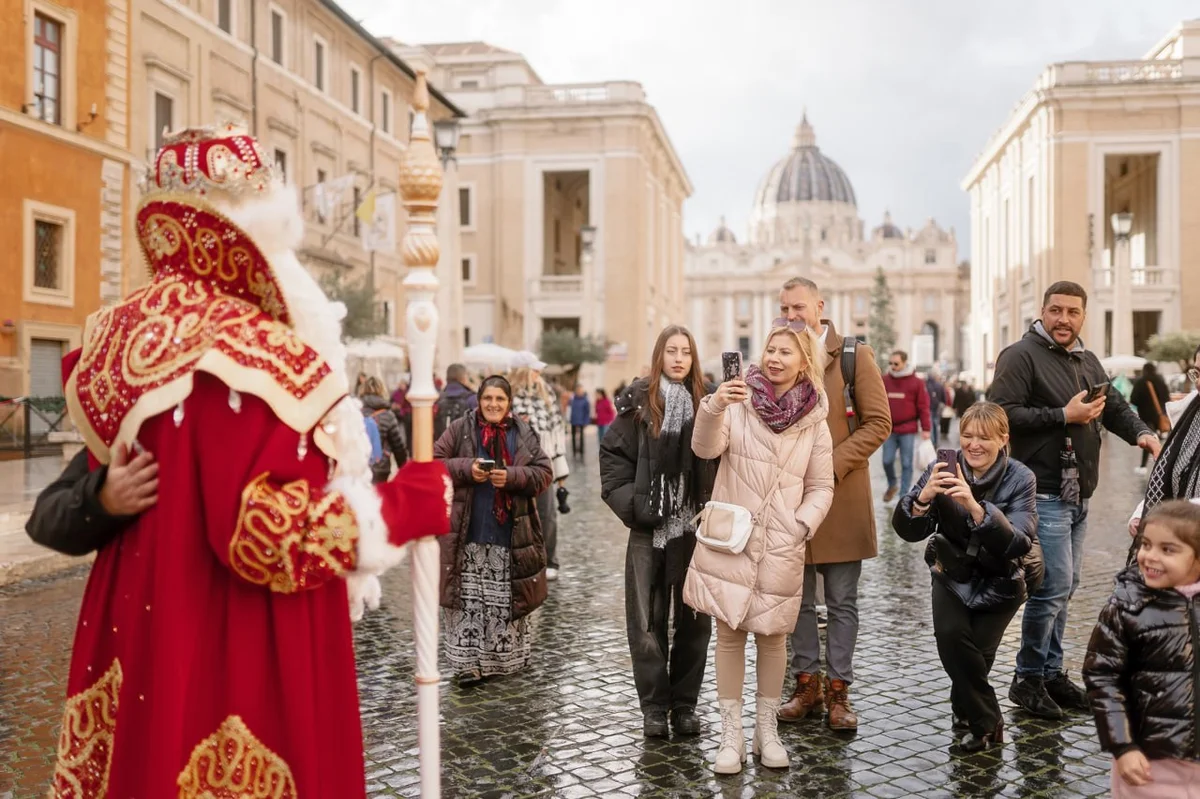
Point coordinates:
[(807, 697), (837, 704)]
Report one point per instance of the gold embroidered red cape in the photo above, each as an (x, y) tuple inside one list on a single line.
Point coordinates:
[(212, 305)]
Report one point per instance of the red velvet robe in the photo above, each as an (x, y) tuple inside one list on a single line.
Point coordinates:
[(213, 655)]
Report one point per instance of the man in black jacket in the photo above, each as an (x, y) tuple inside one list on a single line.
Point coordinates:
[(84, 509), (1042, 382)]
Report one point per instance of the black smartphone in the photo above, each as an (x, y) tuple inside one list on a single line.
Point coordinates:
[(1097, 391), (948, 457), (731, 366), (487, 465)]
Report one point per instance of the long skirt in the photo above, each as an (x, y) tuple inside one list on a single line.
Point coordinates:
[(480, 635), (1171, 779)]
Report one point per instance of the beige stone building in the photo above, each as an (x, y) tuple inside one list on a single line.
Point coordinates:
[(805, 223), (1091, 140), (326, 98), (539, 164)]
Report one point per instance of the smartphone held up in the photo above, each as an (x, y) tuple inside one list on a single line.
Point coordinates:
[(948, 458), (731, 366)]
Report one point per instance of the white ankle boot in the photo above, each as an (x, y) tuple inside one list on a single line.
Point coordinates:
[(733, 741), (767, 745)]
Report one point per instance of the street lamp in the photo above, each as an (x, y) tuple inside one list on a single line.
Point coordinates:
[(445, 137), (587, 238), (1122, 317)]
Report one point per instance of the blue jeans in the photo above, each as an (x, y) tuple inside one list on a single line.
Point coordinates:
[(904, 443), (601, 429), (1061, 528)]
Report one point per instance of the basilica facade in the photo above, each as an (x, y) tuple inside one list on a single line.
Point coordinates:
[(805, 223)]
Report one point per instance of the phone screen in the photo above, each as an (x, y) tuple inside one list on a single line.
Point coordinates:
[(731, 366)]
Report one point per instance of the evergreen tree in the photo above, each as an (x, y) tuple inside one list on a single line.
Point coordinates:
[(363, 319), (881, 332)]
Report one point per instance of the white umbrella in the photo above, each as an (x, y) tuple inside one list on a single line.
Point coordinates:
[(1122, 364), (375, 348), (488, 355)]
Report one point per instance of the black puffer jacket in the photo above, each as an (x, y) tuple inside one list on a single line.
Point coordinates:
[(391, 432), (1142, 672), (628, 459), (992, 576)]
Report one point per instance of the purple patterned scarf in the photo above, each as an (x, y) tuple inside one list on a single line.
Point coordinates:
[(779, 414)]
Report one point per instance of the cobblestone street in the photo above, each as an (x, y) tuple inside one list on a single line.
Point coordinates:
[(569, 726)]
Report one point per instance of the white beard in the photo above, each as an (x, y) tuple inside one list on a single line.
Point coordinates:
[(274, 222)]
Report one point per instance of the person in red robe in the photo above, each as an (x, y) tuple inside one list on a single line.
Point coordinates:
[(213, 655)]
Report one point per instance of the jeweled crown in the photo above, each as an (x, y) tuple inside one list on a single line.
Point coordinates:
[(203, 160)]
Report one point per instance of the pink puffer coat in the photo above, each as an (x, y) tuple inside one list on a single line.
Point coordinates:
[(759, 589)]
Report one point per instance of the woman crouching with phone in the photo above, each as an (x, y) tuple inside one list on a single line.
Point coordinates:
[(494, 559), (776, 473), (980, 507)]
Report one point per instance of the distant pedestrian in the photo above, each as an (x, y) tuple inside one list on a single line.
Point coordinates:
[(908, 399), (533, 401), (980, 514), (653, 483), (1150, 396), (965, 395), (403, 409), (454, 400), (937, 401), (776, 461), (493, 560), (1043, 382), (581, 417), (1141, 667), (605, 413), (378, 408)]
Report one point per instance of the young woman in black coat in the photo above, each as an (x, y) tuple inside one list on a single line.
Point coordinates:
[(1141, 670), (653, 483), (982, 515)]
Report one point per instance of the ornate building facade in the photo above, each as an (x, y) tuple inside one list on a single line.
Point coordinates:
[(805, 223), (1090, 141)]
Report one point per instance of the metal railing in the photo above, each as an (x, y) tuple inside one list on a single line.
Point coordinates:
[(28, 424)]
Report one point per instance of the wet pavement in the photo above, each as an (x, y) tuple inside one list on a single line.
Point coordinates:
[(569, 725)]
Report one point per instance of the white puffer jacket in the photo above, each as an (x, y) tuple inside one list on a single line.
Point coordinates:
[(759, 589)]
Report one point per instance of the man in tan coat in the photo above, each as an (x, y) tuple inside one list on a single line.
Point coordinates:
[(847, 536)]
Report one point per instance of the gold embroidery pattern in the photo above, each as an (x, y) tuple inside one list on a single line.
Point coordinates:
[(287, 541), (233, 764), (85, 745)]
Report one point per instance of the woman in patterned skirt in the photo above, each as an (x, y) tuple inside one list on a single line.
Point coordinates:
[(494, 560)]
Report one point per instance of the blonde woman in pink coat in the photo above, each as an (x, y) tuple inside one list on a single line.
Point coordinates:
[(776, 454)]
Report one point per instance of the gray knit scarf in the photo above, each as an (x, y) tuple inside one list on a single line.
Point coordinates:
[(669, 489)]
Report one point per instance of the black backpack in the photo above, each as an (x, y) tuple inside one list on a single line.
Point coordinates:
[(849, 362), (449, 409)]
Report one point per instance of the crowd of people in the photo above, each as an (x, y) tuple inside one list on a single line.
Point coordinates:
[(221, 557)]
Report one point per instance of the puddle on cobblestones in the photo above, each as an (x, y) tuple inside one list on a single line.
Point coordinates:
[(569, 725)]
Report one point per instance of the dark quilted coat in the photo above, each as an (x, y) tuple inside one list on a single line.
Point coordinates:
[(1142, 674), (528, 476), (994, 576)]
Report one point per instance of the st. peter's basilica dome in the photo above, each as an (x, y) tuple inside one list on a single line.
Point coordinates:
[(805, 175)]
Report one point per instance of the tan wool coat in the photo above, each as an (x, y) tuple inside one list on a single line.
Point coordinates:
[(759, 589), (848, 532)]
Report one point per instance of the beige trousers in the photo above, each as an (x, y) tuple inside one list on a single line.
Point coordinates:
[(731, 663)]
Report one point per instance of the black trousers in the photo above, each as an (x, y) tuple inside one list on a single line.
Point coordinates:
[(966, 642), (668, 659), (577, 439)]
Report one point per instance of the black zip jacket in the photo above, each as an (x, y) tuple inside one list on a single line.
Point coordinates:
[(1035, 380), (994, 576), (68, 517), (1142, 672)]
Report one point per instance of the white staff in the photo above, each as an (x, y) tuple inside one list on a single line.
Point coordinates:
[(420, 185)]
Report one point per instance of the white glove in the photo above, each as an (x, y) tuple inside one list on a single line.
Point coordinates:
[(363, 591)]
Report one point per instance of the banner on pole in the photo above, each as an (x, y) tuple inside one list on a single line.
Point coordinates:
[(380, 233)]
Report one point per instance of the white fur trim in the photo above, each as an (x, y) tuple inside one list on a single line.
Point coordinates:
[(375, 554), (364, 592)]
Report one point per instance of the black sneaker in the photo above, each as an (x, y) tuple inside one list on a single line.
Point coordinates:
[(1029, 693), (685, 721), (654, 724), (1066, 694)]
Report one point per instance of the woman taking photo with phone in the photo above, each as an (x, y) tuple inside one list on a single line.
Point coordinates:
[(981, 510), (655, 486), (777, 464), (494, 559)]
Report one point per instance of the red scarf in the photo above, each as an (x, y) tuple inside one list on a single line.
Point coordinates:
[(494, 436)]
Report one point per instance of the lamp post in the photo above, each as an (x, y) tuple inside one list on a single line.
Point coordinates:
[(1122, 316), (589, 323), (445, 136), (420, 184)]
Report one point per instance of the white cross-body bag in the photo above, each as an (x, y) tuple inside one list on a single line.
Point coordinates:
[(726, 526)]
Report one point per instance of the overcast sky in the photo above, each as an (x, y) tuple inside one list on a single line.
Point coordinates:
[(903, 95)]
